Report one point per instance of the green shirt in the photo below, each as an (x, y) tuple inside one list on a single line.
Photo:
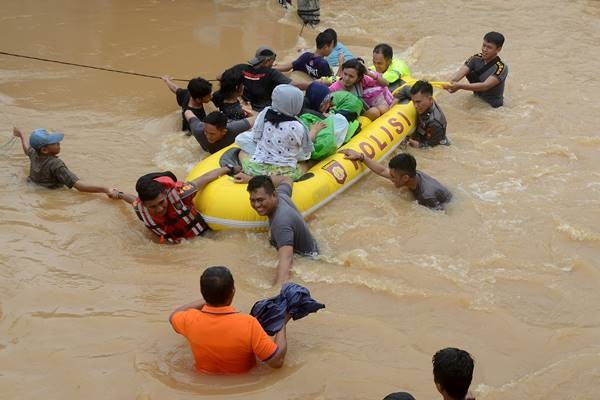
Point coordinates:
[(397, 69), (49, 171)]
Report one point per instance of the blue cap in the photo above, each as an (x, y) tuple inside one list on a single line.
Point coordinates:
[(40, 138)]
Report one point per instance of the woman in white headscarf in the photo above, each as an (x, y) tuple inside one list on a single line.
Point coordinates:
[(281, 139)]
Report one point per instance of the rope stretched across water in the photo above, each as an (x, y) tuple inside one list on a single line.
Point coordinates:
[(92, 67)]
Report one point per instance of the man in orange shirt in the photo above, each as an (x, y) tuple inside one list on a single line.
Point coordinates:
[(223, 340)]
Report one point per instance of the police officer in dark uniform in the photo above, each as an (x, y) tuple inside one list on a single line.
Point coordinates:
[(431, 121), (485, 72)]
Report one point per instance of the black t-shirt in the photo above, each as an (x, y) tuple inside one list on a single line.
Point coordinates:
[(183, 98), (259, 83), (233, 111)]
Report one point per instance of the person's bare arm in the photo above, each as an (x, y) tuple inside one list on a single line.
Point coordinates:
[(208, 177), (281, 341), (19, 134), (373, 165), (170, 84), (198, 304), (284, 266), (285, 67), (461, 73), (278, 180), (126, 197), (87, 188), (315, 129), (489, 83), (378, 77)]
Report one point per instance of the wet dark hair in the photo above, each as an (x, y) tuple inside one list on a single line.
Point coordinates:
[(323, 39), (216, 118), (332, 33), (494, 37), (261, 181), (216, 286), (199, 88), (354, 63), (404, 162), (148, 189), (230, 82), (422, 87), (453, 371), (385, 49)]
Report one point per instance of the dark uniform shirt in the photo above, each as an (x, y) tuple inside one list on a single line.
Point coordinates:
[(431, 127), (495, 95), (49, 171), (430, 193)]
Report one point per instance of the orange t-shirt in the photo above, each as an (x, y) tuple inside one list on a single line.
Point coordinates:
[(223, 341)]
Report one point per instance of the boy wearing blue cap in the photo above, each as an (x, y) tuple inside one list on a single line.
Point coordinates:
[(46, 168)]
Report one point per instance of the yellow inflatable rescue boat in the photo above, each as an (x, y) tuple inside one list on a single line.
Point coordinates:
[(225, 204)]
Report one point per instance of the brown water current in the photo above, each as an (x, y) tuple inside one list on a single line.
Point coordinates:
[(511, 272)]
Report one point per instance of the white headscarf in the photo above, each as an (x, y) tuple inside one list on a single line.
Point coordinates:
[(286, 100)]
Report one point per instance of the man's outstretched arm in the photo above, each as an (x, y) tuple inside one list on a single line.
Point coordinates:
[(373, 165)]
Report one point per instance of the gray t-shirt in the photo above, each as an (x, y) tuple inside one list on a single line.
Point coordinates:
[(234, 128), (430, 193), (494, 96), (431, 127), (49, 171), (288, 228)]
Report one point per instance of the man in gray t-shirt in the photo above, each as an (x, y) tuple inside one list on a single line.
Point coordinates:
[(402, 171), (289, 232), (485, 72)]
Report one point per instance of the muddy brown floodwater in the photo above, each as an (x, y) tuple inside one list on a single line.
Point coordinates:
[(511, 273)]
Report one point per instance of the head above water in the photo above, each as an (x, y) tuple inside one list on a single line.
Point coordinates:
[(383, 54), (231, 84), (325, 43), (403, 167), (333, 34), (152, 193), (352, 72), (492, 44), (287, 100), (263, 197), (421, 94), (45, 142), (264, 57), (319, 97), (453, 372), (215, 126), (200, 90), (217, 286)]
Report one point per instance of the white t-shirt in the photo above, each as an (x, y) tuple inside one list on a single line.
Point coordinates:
[(281, 145)]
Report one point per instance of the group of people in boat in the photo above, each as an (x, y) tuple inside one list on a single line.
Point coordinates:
[(280, 126)]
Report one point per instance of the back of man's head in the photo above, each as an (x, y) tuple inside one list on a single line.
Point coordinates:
[(199, 88), (324, 39), (385, 50), (216, 286), (261, 181), (494, 37), (404, 163), (333, 34), (422, 87), (453, 371)]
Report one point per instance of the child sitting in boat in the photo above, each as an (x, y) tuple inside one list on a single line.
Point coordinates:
[(227, 98), (278, 140), (368, 85)]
